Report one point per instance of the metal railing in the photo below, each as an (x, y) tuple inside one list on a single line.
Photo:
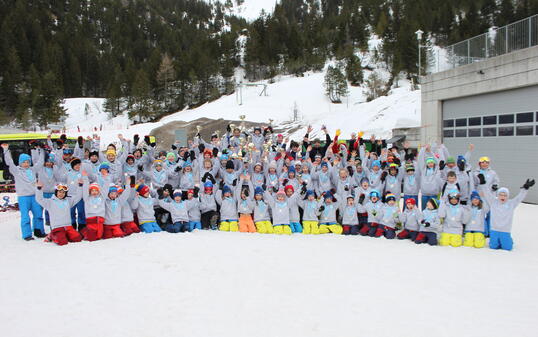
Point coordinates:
[(497, 41)]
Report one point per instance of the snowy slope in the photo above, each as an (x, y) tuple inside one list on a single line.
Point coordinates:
[(235, 284), (249, 9)]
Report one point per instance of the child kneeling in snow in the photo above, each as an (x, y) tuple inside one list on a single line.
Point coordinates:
[(179, 210), (262, 217), (474, 230), (113, 204), (128, 226), (59, 207), (310, 213), (94, 209), (389, 218), (143, 205), (453, 217), (327, 219), (228, 209), (373, 207), (349, 208), (281, 212), (411, 219), (430, 224), (502, 212)]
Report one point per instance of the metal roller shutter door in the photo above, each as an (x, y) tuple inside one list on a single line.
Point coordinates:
[(502, 125)]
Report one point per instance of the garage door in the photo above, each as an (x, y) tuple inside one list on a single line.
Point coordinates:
[(503, 126)]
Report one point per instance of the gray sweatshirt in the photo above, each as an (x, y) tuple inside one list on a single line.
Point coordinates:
[(144, 208), (477, 217), (207, 202), (25, 179), (502, 213), (310, 209), (261, 211), (93, 206), (411, 219), (113, 207), (59, 209), (349, 212), (228, 207), (454, 217), (431, 217), (178, 210)]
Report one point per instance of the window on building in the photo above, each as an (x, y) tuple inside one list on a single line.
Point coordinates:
[(475, 121), (524, 130), (506, 119), (461, 122), (475, 132), (489, 120), (461, 132), (489, 132), (506, 131), (448, 123), (525, 117), (449, 133)]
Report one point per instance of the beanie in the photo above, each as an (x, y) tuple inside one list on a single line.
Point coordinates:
[(229, 165), (74, 162), (24, 157)]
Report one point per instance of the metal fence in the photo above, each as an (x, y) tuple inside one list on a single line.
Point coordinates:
[(497, 41)]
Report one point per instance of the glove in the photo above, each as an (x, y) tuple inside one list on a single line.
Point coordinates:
[(201, 148), (275, 189), (442, 164), (178, 168), (205, 177), (228, 128), (384, 176), (426, 224), (32, 143), (221, 185), (160, 192), (303, 189), (146, 139), (285, 182), (80, 141), (215, 152), (193, 155), (246, 192), (224, 151), (321, 208), (186, 156), (234, 182), (528, 184), (140, 168), (346, 188), (132, 180), (383, 165), (350, 170), (482, 179), (136, 139), (264, 187), (461, 166), (196, 191), (153, 144), (374, 212), (399, 226), (174, 147), (494, 187), (338, 132), (361, 198)]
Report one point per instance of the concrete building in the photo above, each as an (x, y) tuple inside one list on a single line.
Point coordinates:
[(492, 104)]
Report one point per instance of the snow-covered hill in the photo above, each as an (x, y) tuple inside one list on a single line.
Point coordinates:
[(248, 9)]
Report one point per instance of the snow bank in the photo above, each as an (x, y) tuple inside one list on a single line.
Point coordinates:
[(234, 284)]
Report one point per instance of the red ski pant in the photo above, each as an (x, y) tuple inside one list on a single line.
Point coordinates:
[(129, 228), (112, 231), (94, 228), (62, 235)]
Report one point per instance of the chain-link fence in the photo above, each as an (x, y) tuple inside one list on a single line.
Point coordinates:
[(497, 41)]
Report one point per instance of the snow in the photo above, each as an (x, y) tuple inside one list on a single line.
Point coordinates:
[(249, 9), (233, 284)]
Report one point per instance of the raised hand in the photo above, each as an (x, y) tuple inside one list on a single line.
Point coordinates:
[(528, 184)]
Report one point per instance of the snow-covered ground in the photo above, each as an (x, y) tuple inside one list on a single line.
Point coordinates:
[(234, 284), (249, 9)]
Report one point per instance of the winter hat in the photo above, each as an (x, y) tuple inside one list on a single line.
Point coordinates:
[(130, 156), (411, 201), (434, 203), (409, 167), (394, 166), (94, 153), (95, 186), (112, 188), (208, 184), (503, 190), (74, 162), (142, 189), (110, 151), (430, 160), (24, 157), (374, 193), (224, 156), (120, 189), (229, 165), (454, 194), (188, 163), (389, 197), (365, 179), (451, 160), (157, 162), (376, 163), (475, 195), (67, 151), (51, 157), (258, 190), (461, 159), (281, 192), (272, 165), (258, 164), (328, 195), (104, 166), (291, 169), (289, 187), (177, 193), (297, 163), (171, 155), (168, 188), (309, 193), (324, 164), (226, 189)]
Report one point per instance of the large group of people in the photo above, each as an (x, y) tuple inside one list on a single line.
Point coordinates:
[(258, 181)]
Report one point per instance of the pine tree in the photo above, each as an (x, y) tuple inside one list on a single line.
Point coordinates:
[(48, 105), (375, 87), (335, 84), (165, 78), (141, 97), (353, 70)]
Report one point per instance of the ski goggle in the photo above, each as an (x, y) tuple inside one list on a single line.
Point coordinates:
[(62, 187), (454, 196), (483, 159)]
